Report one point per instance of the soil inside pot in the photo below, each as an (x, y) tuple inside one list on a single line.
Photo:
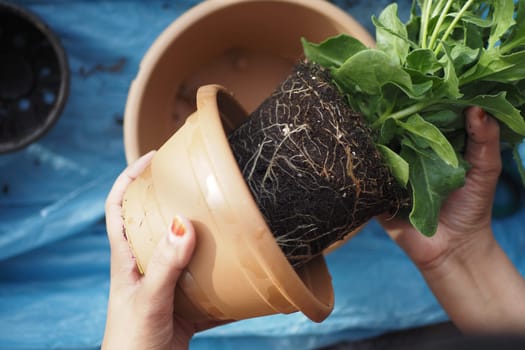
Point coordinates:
[(312, 166)]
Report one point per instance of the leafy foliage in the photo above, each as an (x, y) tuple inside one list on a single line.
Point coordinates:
[(413, 86)]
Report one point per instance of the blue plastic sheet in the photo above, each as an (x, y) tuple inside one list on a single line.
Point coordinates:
[(54, 254)]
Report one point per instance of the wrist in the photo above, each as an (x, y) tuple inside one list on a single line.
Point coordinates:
[(463, 253), (478, 286)]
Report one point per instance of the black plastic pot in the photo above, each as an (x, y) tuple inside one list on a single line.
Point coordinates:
[(34, 77)]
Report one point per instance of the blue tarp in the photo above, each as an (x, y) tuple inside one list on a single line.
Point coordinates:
[(54, 254)]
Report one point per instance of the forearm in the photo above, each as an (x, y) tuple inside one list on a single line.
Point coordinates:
[(479, 288)]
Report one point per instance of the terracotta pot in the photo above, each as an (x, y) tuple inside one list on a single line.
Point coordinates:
[(249, 46), (237, 271)]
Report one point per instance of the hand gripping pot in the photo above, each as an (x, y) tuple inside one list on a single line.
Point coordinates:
[(237, 271)]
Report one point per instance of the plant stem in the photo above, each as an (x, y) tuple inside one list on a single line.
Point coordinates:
[(453, 25), (425, 16), (402, 113), (437, 10), (439, 23)]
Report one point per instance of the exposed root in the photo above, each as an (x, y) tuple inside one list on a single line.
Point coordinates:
[(312, 166)]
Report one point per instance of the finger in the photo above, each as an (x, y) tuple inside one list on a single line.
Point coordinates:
[(396, 228), (169, 259), (402, 232), (122, 263), (424, 251), (483, 150), (483, 153)]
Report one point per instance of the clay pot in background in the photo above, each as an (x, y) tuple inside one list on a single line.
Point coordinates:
[(34, 77), (237, 271), (249, 46)]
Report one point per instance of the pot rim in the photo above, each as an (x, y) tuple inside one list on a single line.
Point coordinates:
[(183, 23)]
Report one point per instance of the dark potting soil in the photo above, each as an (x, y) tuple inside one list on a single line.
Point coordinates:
[(311, 165)]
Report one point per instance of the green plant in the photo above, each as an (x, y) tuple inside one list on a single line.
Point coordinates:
[(413, 86)]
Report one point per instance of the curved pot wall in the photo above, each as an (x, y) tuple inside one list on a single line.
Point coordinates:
[(249, 46), (237, 271)]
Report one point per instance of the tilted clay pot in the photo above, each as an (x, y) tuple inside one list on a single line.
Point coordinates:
[(248, 46), (237, 270)]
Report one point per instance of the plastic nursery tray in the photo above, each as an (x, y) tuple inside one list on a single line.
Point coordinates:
[(34, 77)]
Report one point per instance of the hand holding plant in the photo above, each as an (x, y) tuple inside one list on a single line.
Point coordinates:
[(413, 87), (466, 214), (355, 132), (467, 270)]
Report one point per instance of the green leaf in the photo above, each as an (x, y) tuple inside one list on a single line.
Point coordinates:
[(457, 139), (515, 93), (517, 35), (388, 131), (445, 119), (369, 106), (397, 165), (431, 135), (476, 20), (503, 19), (473, 37), (419, 149), (449, 86), (423, 60), (492, 66), (332, 52), (421, 85), (510, 68), (370, 70), (413, 24), (391, 34), (499, 107), (509, 136), (463, 56), (432, 180)]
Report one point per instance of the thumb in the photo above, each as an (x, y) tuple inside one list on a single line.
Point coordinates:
[(172, 255), (474, 200), (482, 150)]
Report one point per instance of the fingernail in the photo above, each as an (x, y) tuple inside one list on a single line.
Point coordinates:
[(477, 118), (483, 116), (177, 228), (480, 114)]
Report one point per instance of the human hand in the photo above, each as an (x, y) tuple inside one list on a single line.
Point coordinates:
[(465, 217), (140, 307), (468, 272)]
